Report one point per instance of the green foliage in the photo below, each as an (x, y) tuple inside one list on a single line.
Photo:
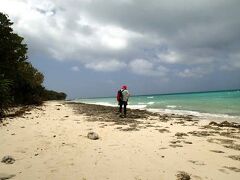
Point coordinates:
[(53, 95), (20, 82), (28, 88), (12, 50), (5, 98)]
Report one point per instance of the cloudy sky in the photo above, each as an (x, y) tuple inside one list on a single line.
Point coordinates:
[(89, 48)]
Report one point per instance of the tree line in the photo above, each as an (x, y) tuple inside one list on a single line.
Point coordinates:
[(20, 82)]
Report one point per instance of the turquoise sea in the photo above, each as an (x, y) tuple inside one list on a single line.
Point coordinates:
[(222, 103)]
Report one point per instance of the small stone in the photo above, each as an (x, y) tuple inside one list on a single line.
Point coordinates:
[(54, 136), (36, 154), (180, 134), (213, 123), (187, 142), (175, 141), (225, 123), (8, 160), (93, 136), (183, 176)]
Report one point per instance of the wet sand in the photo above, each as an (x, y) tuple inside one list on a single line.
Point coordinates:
[(50, 142)]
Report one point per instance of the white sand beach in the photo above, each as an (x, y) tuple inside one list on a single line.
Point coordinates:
[(50, 142)]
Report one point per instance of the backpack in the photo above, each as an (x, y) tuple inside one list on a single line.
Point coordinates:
[(119, 95)]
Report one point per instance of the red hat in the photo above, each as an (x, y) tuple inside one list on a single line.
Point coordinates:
[(124, 87)]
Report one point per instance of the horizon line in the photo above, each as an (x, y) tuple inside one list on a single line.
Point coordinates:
[(186, 92)]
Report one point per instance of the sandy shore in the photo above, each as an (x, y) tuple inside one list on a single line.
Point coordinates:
[(50, 142)]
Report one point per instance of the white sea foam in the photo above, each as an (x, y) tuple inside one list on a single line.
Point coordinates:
[(106, 104), (101, 103), (171, 111), (150, 103), (150, 97), (171, 106), (146, 103), (137, 106), (203, 116)]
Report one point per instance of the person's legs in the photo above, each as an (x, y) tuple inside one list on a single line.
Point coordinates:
[(125, 108), (120, 106)]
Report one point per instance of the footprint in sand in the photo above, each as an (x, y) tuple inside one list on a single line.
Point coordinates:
[(197, 163), (163, 130), (235, 157), (21, 151), (175, 145), (232, 168), (6, 176), (223, 171), (217, 151)]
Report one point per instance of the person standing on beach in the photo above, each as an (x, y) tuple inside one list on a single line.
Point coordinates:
[(122, 97)]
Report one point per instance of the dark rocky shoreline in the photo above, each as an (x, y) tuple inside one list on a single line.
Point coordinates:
[(111, 114)]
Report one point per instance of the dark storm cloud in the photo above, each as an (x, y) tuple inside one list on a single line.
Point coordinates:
[(157, 33), (194, 29)]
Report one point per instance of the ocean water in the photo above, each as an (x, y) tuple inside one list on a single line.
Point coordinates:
[(221, 103)]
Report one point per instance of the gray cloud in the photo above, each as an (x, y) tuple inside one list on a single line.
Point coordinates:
[(106, 34), (144, 67)]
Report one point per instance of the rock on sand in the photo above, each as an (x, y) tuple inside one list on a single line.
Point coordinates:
[(8, 160), (93, 136)]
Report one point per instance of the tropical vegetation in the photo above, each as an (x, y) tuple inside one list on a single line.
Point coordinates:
[(20, 82)]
